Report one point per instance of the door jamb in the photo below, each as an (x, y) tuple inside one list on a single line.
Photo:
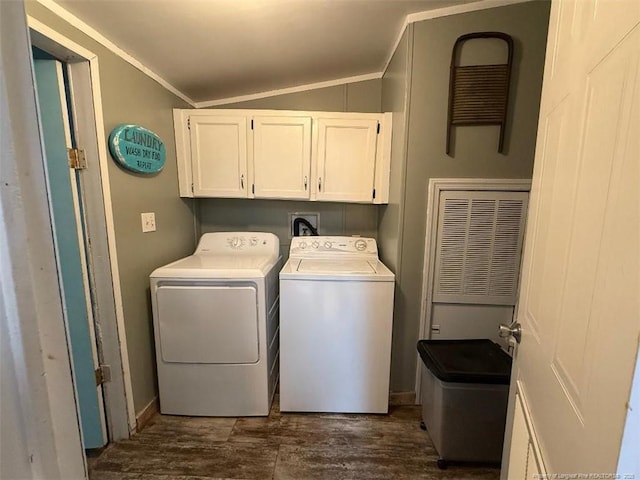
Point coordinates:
[(87, 102), (437, 185)]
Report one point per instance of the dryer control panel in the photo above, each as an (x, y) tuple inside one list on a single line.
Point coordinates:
[(240, 243), (335, 246)]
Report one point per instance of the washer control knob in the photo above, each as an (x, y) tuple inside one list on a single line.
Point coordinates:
[(253, 241), (235, 242), (328, 245), (361, 245), (303, 245), (315, 244)]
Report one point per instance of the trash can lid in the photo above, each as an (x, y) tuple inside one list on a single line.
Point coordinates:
[(466, 361)]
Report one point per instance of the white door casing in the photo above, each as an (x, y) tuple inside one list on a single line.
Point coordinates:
[(84, 77), (579, 301)]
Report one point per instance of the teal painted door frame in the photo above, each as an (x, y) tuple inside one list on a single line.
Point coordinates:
[(70, 241)]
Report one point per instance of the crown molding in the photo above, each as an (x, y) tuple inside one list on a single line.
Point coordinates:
[(109, 45), (445, 12)]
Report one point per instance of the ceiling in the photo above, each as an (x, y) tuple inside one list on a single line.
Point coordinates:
[(219, 49)]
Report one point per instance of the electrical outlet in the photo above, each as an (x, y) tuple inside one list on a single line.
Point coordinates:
[(313, 218), (148, 222)]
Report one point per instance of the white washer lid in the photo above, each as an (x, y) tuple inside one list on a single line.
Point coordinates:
[(334, 266), (324, 269)]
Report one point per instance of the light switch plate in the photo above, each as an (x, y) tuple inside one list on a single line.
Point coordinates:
[(148, 222)]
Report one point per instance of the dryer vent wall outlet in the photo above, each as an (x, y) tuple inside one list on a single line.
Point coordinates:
[(312, 218)]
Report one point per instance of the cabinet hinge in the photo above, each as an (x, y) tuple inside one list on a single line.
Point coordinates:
[(77, 158), (378, 132), (251, 124), (103, 374), (374, 193), (189, 123), (192, 188), (253, 188)]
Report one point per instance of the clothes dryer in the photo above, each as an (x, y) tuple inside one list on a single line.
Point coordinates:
[(215, 317)]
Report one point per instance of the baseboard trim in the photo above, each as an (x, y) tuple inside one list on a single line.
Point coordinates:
[(402, 398), (147, 413)]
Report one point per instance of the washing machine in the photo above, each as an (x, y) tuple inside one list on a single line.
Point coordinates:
[(336, 301), (215, 318)]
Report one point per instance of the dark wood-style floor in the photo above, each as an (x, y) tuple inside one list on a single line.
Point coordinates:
[(281, 446)]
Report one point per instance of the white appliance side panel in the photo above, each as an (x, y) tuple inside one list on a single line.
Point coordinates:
[(335, 345), (208, 324), (461, 321)]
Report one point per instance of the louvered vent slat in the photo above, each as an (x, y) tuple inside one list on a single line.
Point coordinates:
[(452, 246), (479, 243)]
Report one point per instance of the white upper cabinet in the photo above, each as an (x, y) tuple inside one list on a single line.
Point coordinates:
[(318, 156), (346, 159), (281, 151), (219, 156)]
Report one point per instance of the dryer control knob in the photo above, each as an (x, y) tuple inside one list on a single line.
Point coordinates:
[(361, 245), (328, 245), (315, 244)]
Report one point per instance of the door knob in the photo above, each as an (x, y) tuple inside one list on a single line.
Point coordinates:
[(514, 330)]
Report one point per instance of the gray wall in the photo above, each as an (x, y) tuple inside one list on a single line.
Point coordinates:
[(219, 215), (396, 89), (351, 97), (129, 96), (273, 215), (475, 148), (396, 84)]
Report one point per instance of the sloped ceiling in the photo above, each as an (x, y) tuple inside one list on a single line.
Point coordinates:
[(218, 49)]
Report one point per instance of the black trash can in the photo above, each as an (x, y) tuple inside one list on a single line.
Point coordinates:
[(465, 387)]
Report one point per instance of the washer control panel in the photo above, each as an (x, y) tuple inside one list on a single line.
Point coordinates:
[(311, 246), (249, 243)]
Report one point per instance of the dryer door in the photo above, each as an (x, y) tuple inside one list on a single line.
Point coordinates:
[(208, 323)]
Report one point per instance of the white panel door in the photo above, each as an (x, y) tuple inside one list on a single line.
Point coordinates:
[(281, 157), (219, 156), (579, 301), (346, 157)]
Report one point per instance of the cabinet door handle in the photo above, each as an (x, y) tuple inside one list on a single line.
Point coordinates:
[(242, 181), (320, 184), (305, 182)]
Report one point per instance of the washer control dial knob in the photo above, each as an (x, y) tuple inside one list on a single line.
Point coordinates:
[(303, 245), (236, 242), (361, 245), (253, 241), (328, 245), (315, 244)]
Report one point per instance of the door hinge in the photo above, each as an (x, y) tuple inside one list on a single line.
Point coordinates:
[(378, 132), (251, 124), (103, 374), (374, 193), (77, 158), (189, 123)]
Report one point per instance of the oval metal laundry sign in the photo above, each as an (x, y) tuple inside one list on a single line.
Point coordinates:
[(137, 149)]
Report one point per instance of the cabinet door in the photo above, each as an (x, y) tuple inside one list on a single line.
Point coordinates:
[(346, 156), (219, 156), (281, 157)]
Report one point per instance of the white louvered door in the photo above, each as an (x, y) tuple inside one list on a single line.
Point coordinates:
[(477, 262)]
